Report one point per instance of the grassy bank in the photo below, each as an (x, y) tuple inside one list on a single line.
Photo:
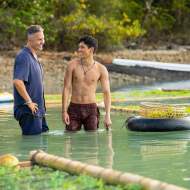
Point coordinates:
[(132, 95)]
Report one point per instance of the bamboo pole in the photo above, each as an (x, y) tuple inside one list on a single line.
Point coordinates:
[(25, 164), (108, 175)]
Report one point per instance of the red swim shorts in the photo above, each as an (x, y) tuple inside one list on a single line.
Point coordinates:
[(86, 114)]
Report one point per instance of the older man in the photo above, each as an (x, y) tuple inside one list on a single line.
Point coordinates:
[(29, 104)]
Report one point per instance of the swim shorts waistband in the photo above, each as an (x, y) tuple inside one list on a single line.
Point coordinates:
[(86, 106)]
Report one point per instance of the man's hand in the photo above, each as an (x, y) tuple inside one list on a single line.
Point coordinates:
[(107, 123), (33, 107), (65, 118)]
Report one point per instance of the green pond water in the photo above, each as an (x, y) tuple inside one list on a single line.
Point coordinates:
[(163, 156)]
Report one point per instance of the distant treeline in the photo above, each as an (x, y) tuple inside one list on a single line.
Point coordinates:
[(115, 23)]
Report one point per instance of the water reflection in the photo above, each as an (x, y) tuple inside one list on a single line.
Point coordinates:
[(87, 147), (108, 137), (6, 110), (20, 146), (36, 142), (162, 148), (160, 144), (6, 107)]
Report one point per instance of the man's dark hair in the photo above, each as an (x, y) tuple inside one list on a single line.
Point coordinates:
[(31, 30), (89, 41)]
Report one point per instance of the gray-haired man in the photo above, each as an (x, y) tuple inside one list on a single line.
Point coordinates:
[(29, 104)]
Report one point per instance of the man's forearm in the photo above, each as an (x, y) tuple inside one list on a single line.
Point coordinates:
[(107, 102), (21, 89), (65, 99)]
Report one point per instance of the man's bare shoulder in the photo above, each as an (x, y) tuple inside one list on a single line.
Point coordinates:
[(73, 62), (101, 67)]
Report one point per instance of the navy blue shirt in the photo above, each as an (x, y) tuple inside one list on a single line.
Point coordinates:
[(29, 70)]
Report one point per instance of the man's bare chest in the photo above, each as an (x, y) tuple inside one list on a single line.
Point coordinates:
[(90, 77)]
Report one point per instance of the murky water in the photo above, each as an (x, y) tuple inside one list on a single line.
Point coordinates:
[(163, 101), (162, 156), (122, 86), (150, 85)]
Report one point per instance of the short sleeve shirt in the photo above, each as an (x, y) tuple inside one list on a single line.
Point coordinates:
[(29, 70)]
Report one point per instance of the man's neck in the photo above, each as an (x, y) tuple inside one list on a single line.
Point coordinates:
[(88, 61), (32, 51)]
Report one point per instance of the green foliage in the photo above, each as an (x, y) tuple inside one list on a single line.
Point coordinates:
[(170, 20), (147, 94), (39, 178), (112, 30), (33, 179), (18, 14), (113, 23), (65, 21), (88, 182), (132, 187)]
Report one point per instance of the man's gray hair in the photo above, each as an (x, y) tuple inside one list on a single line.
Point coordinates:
[(31, 30)]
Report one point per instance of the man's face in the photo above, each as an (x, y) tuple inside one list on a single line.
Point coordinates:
[(84, 51), (37, 41)]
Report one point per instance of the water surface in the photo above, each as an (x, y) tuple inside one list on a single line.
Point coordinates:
[(183, 101), (127, 86), (163, 156)]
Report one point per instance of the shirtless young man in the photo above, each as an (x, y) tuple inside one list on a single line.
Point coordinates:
[(84, 75)]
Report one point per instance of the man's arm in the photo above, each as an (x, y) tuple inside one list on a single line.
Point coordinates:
[(19, 84), (106, 93), (66, 92)]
